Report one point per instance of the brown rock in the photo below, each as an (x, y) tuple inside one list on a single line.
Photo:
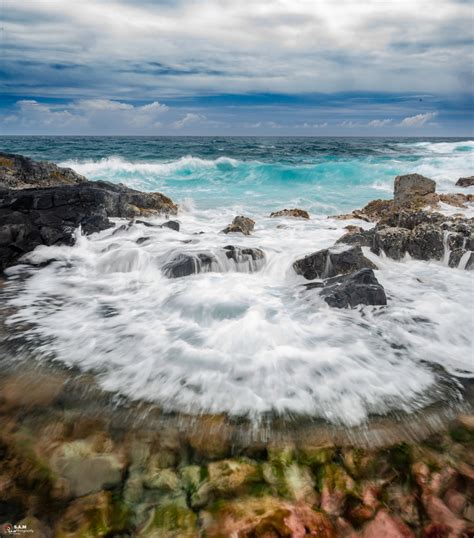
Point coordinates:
[(240, 224), (265, 517), (295, 213), (351, 229), (31, 390)]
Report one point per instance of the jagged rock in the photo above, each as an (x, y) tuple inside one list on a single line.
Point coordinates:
[(355, 289), (296, 213), (330, 262), (365, 238), (409, 219), (465, 181), (240, 224), (408, 189), (426, 242), (49, 216), (19, 172), (392, 241), (189, 263), (372, 212)]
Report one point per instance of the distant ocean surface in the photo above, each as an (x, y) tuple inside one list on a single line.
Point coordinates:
[(323, 175), (235, 340)]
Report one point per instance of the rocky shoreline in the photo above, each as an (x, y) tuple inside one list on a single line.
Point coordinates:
[(69, 473)]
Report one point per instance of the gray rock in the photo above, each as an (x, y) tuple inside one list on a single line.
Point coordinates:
[(426, 242), (465, 181), (240, 224), (19, 172), (352, 290), (410, 187), (365, 238), (392, 241), (189, 263), (340, 259)]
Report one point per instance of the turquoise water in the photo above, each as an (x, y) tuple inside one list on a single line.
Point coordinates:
[(323, 175)]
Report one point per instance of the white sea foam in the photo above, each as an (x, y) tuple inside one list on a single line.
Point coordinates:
[(246, 342)]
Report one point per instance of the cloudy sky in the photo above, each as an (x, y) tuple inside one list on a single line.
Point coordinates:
[(273, 67)]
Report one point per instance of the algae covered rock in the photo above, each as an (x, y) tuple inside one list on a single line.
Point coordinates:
[(264, 516), (94, 515)]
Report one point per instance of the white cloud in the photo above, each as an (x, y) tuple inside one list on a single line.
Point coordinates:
[(418, 120), (380, 123), (190, 117), (312, 125), (86, 115)]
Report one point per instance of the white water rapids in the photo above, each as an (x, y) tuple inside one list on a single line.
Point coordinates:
[(241, 342)]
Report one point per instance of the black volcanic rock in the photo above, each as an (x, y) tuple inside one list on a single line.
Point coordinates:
[(465, 181), (189, 263), (349, 291), (19, 172), (330, 262), (355, 289), (50, 215)]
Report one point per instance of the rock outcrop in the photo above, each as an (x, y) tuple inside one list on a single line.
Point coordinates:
[(412, 189), (240, 224), (19, 172), (295, 213), (337, 260), (465, 181), (49, 215)]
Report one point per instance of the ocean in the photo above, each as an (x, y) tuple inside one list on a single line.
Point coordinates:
[(238, 340)]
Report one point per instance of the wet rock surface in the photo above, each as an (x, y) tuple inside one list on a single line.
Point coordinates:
[(220, 260), (465, 181), (50, 216), (240, 224), (327, 263), (359, 288)]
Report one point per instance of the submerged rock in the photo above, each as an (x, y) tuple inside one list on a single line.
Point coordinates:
[(352, 290), (85, 467), (19, 172), (189, 263), (295, 213), (465, 181), (264, 516), (240, 224), (330, 262)]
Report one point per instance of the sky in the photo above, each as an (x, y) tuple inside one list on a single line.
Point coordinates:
[(230, 67)]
